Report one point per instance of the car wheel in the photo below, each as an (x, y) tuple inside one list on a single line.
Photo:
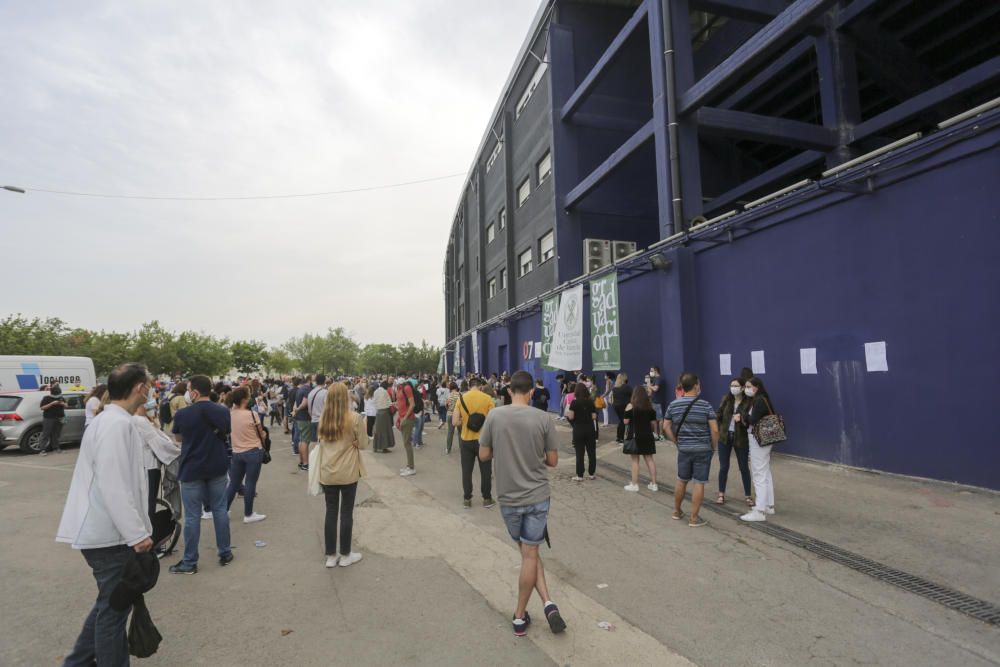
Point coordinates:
[(31, 441)]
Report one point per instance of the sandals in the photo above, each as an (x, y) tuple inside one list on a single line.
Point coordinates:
[(721, 500)]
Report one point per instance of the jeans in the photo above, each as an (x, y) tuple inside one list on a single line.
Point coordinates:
[(442, 412), (51, 433), (418, 430), (470, 454), (694, 465), (342, 495), (620, 413), (526, 524), (451, 435), (103, 639), (244, 464), (590, 448), (295, 437), (193, 496), (742, 458), (406, 429), (760, 467)]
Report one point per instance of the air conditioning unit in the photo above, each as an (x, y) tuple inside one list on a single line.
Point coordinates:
[(621, 249), (596, 254)]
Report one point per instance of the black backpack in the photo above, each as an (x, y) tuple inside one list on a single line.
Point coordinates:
[(166, 416), (418, 400)]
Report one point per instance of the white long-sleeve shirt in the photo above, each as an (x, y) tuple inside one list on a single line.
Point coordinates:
[(107, 501), (157, 445)]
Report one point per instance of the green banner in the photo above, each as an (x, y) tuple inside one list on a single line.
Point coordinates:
[(604, 332), (550, 312)]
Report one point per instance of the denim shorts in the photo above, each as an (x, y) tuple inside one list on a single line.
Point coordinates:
[(659, 411), (694, 465), (526, 524)]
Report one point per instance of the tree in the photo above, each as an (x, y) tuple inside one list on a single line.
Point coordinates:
[(423, 359), (249, 356), (201, 354), (19, 335), (379, 358), (156, 348), (106, 349), (279, 362), (333, 353)]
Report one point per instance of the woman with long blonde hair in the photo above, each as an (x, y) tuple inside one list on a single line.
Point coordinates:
[(341, 437)]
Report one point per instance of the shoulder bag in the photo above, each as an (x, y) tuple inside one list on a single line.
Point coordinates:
[(265, 443), (677, 433), (476, 419), (631, 447), (769, 429)]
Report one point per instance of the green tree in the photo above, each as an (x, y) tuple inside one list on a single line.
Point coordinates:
[(249, 356), (279, 362), (334, 352), (201, 354), (18, 335), (157, 348), (106, 349), (379, 358), (423, 359)]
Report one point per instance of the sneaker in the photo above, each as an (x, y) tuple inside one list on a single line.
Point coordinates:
[(634, 488), (556, 622), (181, 568), (652, 487), (488, 503), (254, 518), (407, 472), (303, 466), (577, 479), (754, 515), (350, 559), (521, 625), (226, 559), (206, 516), (467, 504), (591, 477), (697, 523), (769, 511), (43, 453), (331, 561)]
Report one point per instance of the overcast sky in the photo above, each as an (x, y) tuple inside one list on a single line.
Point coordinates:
[(243, 98)]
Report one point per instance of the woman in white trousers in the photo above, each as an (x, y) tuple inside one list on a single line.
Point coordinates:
[(760, 457)]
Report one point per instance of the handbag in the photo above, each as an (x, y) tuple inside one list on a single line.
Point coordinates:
[(265, 444), (769, 429), (315, 488), (600, 403), (631, 447)]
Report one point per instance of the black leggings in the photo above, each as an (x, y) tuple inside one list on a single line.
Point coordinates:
[(334, 494), (370, 419), (591, 448)]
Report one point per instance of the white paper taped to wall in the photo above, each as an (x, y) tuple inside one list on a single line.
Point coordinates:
[(875, 357), (757, 362), (807, 360), (538, 349), (725, 364)]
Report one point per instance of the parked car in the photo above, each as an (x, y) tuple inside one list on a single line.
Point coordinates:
[(21, 419)]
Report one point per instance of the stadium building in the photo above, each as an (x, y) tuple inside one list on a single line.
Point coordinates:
[(807, 188)]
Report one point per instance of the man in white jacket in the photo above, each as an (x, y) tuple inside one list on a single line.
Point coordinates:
[(105, 514)]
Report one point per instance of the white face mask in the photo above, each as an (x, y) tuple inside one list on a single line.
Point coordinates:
[(749, 391), (735, 391), (187, 396)]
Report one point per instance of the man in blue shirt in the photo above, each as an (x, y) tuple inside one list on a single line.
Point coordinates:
[(692, 425), (204, 429)]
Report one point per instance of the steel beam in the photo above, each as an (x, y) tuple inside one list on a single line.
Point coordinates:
[(765, 129), (765, 43), (888, 63), (757, 11), (597, 176), (601, 66), (718, 47), (768, 74), (982, 74), (772, 175), (840, 100)]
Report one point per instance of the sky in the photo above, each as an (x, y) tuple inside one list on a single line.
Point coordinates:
[(243, 98)]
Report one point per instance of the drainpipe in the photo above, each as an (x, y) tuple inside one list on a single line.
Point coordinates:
[(672, 141)]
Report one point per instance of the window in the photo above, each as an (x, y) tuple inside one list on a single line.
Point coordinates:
[(477, 262), (530, 88), (494, 155), (523, 191), (491, 232), (524, 263), (503, 278), (547, 247), (502, 218), (544, 167), (491, 288)]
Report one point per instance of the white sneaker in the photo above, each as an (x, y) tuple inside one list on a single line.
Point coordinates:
[(634, 488), (754, 515), (254, 518), (405, 472), (331, 561), (350, 559), (577, 479), (652, 487), (205, 516), (769, 511)]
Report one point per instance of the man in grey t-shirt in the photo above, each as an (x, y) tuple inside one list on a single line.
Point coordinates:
[(522, 442)]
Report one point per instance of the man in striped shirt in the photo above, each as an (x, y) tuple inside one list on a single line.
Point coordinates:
[(690, 422)]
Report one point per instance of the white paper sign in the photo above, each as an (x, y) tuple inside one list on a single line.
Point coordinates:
[(757, 362), (807, 360), (475, 352), (567, 339), (538, 349), (875, 357), (725, 364)]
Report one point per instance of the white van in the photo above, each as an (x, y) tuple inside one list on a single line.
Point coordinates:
[(31, 373)]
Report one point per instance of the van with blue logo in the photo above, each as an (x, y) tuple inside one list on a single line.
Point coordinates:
[(31, 373)]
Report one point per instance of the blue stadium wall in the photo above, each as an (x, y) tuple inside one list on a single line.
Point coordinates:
[(916, 264)]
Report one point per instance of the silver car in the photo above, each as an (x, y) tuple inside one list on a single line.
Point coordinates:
[(21, 419)]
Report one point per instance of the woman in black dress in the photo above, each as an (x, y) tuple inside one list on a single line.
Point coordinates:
[(583, 415), (639, 419)]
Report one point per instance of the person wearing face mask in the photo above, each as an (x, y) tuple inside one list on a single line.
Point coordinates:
[(657, 396), (759, 405), (157, 448), (53, 415), (733, 437)]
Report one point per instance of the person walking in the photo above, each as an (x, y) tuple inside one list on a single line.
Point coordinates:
[(203, 428), (621, 396), (341, 438), (53, 417), (760, 456), (383, 437), (639, 418), (453, 397), (733, 438), (540, 396), (690, 422), (473, 406), (442, 404), (248, 453), (405, 421), (583, 416), (105, 514), (522, 442)]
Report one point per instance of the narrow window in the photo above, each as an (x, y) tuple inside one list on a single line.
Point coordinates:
[(491, 288), (544, 167), (523, 191), (524, 263), (547, 247), (491, 233)]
